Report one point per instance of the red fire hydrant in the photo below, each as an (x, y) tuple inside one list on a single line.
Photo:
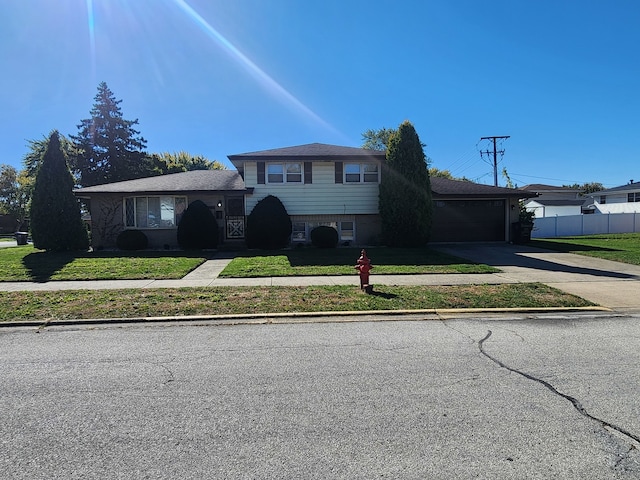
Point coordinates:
[(363, 265)]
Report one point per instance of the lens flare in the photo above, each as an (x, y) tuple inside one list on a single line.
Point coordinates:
[(260, 75)]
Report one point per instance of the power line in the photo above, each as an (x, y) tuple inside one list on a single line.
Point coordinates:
[(495, 155)]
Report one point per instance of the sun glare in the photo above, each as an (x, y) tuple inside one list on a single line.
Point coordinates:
[(260, 75), (92, 37)]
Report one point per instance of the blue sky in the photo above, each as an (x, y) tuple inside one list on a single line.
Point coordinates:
[(221, 77)]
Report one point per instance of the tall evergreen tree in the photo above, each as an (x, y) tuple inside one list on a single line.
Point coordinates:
[(405, 191), (55, 214), (107, 147)]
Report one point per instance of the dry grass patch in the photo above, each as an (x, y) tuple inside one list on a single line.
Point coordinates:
[(130, 303)]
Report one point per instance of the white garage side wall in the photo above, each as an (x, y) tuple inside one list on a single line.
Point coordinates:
[(322, 197), (564, 226)]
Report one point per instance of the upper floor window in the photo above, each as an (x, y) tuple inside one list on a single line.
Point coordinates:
[(284, 172), (361, 173), (603, 199), (633, 197), (153, 212)]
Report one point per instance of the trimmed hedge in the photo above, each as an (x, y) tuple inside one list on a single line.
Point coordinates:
[(132, 240), (324, 237), (198, 228), (268, 225)]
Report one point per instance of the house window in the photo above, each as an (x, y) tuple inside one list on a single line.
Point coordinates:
[(284, 172), (294, 172), (603, 199), (275, 173), (299, 232), (633, 197), (361, 173), (153, 212), (346, 231)]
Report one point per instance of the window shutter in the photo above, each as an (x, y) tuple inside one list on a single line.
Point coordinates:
[(338, 172), (261, 173), (307, 173)]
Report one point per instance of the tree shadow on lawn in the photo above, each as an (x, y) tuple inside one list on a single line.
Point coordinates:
[(42, 265), (312, 256), (569, 247)]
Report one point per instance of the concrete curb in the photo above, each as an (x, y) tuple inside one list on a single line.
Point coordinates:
[(296, 317)]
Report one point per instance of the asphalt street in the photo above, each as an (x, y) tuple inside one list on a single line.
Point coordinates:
[(546, 396)]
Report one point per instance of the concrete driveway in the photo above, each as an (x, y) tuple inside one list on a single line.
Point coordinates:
[(611, 284)]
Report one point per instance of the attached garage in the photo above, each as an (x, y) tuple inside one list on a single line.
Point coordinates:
[(470, 212), (471, 220)]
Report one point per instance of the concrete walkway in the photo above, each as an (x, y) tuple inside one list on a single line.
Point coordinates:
[(610, 284)]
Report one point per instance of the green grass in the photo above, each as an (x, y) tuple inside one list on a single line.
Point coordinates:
[(341, 261), (28, 264), (624, 247), (78, 304)]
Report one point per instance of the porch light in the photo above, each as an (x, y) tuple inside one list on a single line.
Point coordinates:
[(219, 204)]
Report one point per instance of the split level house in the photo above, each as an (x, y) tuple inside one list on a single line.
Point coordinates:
[(318, 184)]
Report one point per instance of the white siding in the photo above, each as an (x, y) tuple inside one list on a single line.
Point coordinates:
[(323, 196)]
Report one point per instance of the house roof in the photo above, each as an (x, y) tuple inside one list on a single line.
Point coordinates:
[(628, 188), (540, 187), (559, 203), (444, 187), (193, 181), (310, 152)]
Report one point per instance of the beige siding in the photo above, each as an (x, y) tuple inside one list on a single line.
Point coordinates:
[(323, 196)]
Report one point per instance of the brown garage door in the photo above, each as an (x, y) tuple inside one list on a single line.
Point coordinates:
[(468, 221)]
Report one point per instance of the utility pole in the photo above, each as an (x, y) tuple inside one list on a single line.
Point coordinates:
[(495, 155)]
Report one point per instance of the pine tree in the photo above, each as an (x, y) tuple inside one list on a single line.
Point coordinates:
[(55, 214), (107, 147), (405, 191)]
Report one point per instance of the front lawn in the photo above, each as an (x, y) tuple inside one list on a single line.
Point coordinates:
[(341, 261), (133, 303), (623, 247), (18, 264)]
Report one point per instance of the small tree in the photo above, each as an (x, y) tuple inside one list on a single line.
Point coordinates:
[(268, 225), (55, 214), (15, 193), (405, 191), (198, 228)]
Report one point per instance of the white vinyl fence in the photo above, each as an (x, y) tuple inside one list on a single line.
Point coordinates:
[(570, 225)]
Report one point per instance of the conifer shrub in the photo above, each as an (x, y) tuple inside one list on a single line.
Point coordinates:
[(56, 224), (198, 228), (324, 237), (268, 225), (132, 240)]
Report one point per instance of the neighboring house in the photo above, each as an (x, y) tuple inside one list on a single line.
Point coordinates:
[(155, 205), (622, 199), (553, 201), (318, 184)]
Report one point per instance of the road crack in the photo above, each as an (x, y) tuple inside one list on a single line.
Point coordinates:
[(634, 439)]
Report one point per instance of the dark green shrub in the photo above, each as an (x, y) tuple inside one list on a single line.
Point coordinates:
[(324, 237), (55, 214), (132, 240), (198, 228), (268, 225)]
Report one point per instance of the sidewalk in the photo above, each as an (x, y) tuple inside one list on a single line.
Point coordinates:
[(610, 284)]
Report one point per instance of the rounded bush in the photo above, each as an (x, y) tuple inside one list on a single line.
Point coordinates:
[(198, 228), (324, 237), (268, 225), (132, 240)]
